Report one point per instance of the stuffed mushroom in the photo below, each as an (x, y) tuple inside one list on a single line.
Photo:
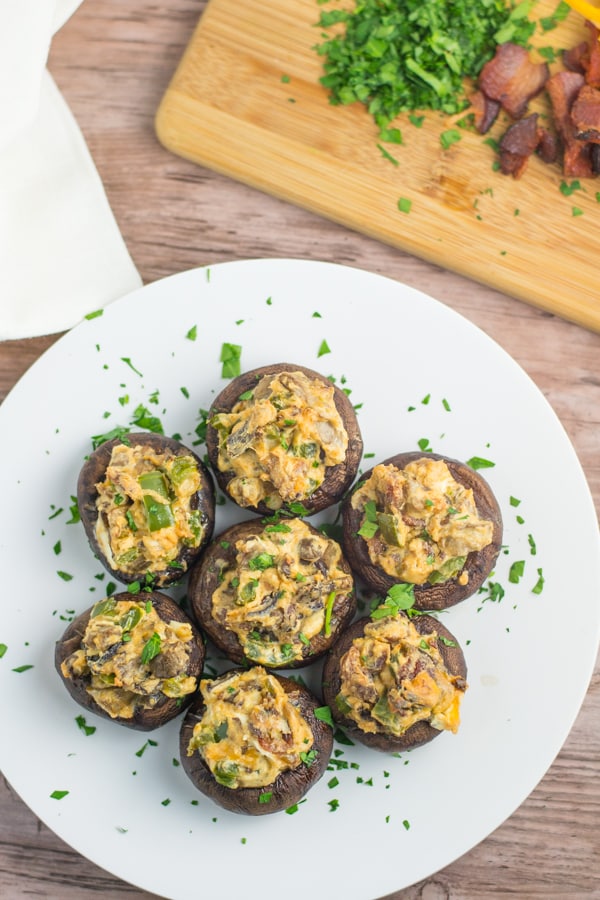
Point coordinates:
[(395, 682), (273, 592), (429, 521), (283, 437), (148, 508), (253, 742), (132, 658)]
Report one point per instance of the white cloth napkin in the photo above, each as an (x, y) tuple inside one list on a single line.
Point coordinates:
[(61, 252)]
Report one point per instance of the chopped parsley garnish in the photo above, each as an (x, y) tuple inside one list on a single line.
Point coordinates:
[(539, 585), (387, 155), (151, 648), (143, 418), (87, 729), (66, 576), (230, 358), (296, 508), (395, 57), (192, 334), (478, 462), (400, 597), (74, 510), (516, 571), (328, 613), (58, 795), (323, 713), (449, 137), (309, 756), (117, 432), (144, 747), (323, 349), (3, 649), (493, 591), (261, 562), (128, 362)]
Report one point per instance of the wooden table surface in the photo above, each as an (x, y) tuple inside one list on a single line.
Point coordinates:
[(113, 61)]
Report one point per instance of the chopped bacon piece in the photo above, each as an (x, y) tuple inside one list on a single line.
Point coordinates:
[(585, 114), (577, 59), (563, 88), (512, 78), (577, 160), (485, 111), (517, 144), (592, 71), (548, 147)]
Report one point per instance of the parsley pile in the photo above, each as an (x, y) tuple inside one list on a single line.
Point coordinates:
[(404, 55)]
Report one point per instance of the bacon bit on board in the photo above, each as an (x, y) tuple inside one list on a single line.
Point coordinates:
[(511, 80), (518, 143), (585, 114), (485, 111)]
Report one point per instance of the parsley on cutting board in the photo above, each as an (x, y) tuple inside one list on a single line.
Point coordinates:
[(402, 55)]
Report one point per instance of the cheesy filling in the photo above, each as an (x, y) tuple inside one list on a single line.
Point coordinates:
[(280, 593), (145, 514), (419, 523), (131, 657), (250, 731), (279, 440), (394, 677)]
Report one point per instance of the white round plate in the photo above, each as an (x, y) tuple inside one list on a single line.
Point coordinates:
[(420, 375)]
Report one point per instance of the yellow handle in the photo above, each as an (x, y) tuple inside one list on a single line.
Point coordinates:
[(586, 9)]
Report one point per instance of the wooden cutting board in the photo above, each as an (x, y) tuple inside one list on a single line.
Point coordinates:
[(246, 101)]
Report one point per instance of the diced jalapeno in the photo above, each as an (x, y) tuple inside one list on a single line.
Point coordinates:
[(131, 618), (182, 469), (248, 591), (226, 772), (447, 570), (389, 529), (159, 515), (127, 557), (104, 607)]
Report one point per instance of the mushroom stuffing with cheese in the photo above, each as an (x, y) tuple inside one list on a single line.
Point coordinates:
[(395, 682), (283, 435), (277, 593), (429, 521), (147, 505), (133, 658), (253, 742)]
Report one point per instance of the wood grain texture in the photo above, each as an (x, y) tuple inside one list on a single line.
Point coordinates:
[(228, 108), (114, 61)]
